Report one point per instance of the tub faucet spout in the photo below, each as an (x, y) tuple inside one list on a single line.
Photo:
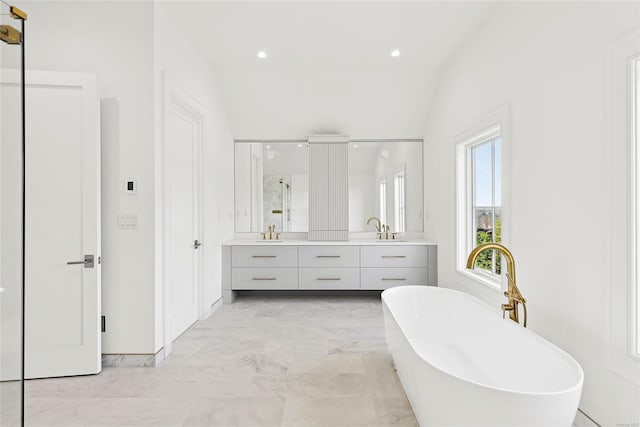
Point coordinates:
[(512, 293)]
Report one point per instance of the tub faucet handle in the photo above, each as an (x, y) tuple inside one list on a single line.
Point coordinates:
[(516, 297), (505, 308)]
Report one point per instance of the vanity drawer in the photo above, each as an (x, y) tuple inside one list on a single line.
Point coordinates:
[(329, 256), (264, 278), (383, 278), (329, 278), (264, 256), (393, 256)]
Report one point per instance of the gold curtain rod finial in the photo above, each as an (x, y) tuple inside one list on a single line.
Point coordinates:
[(17, 13), (10, 35)]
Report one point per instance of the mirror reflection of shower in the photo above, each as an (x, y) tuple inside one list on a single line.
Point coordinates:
[(277, 201), (272, 186)]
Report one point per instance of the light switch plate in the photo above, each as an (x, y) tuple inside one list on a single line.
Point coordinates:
[(127, 222)]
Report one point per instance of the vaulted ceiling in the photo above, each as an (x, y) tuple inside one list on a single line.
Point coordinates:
[(329, 66)]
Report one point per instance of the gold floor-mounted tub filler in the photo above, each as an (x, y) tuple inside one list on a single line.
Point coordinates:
[(513, 293)]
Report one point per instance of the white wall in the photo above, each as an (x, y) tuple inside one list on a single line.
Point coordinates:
[(175, 57), (113, 40), (547, 62)]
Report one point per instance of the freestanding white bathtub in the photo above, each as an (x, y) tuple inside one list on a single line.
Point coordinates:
[(461, 364)]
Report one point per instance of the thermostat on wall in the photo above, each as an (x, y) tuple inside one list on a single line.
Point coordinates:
[(131, 186)]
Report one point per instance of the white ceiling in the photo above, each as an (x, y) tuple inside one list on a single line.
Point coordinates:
[(329, 67)]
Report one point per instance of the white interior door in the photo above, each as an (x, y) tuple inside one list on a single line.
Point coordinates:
[(183, 206), (62, 313)]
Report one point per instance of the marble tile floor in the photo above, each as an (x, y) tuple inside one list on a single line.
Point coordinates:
[(264, 361)]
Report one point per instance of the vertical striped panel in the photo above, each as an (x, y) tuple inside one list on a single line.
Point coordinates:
[(314, 189), (328, 191), (343, 210), (343, 226), (313, 155)]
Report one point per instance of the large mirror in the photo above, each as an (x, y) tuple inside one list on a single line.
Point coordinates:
[(272, 186), (386, 181)]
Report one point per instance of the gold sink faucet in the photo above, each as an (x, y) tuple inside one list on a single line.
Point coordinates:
[(513, 293), (272, 231)]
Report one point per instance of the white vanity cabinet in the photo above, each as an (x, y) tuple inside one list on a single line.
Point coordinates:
[(304, 265)]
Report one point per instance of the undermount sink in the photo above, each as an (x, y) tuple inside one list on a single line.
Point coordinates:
[(269, 241), (391, 241)]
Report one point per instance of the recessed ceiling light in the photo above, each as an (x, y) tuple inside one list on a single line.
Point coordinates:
[(268, 146), (300, 145), (395, 53), (262, 54), (355, 145)]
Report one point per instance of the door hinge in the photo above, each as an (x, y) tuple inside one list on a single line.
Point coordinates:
[(103, 323)]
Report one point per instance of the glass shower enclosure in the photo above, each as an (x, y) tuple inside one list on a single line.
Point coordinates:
[(11, 215)]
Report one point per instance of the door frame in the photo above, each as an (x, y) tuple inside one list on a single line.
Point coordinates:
[(174, 95)]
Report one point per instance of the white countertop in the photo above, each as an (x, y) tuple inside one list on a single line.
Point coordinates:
[(354, 242)]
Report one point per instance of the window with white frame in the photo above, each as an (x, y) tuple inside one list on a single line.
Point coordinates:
[(479, 207), (383, 201), (399, 202)]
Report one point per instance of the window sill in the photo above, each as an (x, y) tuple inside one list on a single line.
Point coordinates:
[(484, 279)]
